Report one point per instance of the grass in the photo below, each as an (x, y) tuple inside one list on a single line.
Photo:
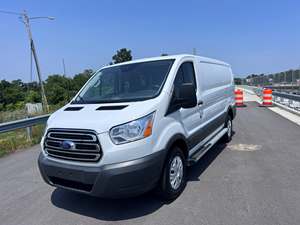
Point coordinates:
[(6, 116), (17, 139)]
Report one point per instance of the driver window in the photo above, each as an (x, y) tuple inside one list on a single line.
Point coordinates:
[(185, 74)]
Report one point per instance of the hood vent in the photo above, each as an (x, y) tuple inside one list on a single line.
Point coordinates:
[(73, 108), (112, 107)]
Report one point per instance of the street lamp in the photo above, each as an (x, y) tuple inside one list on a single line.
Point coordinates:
[(42, 17), (26, 20)]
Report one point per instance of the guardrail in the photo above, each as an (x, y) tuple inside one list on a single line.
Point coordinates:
[(290, 100), (23, 123), (287, 96)]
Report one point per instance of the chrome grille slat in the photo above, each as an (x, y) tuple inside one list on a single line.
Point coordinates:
[(69, 152), (94, 137), (71, 158), (86, 146), (74, 150), (97, 147)]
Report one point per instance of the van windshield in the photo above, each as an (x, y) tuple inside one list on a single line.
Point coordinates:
[(131, 82)]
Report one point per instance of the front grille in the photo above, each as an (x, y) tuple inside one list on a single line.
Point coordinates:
[(82, 145)]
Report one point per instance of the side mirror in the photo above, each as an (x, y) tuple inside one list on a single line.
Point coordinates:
[(187, 96)]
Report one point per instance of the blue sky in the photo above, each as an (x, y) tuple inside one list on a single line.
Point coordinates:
[(253, 36)]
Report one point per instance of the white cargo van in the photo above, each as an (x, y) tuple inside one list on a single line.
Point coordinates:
[(138, 125)]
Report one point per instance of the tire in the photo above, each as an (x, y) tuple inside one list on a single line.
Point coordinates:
[(170, 188), (228, 135)]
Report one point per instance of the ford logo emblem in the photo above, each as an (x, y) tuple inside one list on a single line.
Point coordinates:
[(68, 145)]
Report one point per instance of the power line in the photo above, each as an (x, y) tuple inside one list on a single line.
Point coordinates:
[(10, 12)]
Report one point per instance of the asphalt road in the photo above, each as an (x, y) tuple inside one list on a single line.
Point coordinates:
[(253, 180)]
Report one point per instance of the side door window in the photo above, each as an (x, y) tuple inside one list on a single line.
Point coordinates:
[(185, 74)]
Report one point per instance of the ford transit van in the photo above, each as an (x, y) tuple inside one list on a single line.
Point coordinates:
[(138, 125)]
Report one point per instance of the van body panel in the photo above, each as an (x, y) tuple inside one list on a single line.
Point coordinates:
[(206, 129)]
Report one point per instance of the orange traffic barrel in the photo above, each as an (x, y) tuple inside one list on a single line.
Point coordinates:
[(267, 97), (239, 98)]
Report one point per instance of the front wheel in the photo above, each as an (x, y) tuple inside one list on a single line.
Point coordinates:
[(173, 180)]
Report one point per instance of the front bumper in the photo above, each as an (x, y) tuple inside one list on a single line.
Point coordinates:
[(117, 180)]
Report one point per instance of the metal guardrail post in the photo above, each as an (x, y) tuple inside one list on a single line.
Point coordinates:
[(29, 133)]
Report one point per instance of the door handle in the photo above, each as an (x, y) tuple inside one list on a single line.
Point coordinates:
[(200, 103)]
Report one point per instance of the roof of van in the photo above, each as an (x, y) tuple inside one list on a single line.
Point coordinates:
[(200, 58)]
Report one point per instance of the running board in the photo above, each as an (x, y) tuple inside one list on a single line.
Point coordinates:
[(195, 157)]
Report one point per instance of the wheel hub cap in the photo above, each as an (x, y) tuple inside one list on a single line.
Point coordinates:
[(229, 126), (176, 172)]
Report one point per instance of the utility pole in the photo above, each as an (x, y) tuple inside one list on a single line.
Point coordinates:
[(194, 51), (68, 81), (64, 66), (285, 77), (299, 80), (26, 20), (292, 83)]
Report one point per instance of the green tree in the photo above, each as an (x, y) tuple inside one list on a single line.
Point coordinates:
[(33, 97), (57, 89), (61, 89), (237, 81), (34, 86), (11, 92), (122, 55), (80, 79)]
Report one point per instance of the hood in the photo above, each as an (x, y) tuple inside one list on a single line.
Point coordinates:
[(99, 117)]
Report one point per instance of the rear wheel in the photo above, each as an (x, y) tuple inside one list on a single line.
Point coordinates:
[(228, 135), (173, 180)]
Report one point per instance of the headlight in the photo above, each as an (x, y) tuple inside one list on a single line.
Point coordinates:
[(133, 130)]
